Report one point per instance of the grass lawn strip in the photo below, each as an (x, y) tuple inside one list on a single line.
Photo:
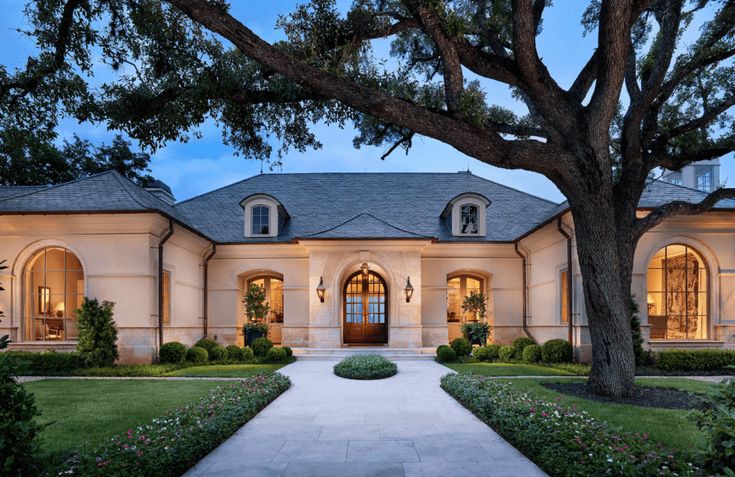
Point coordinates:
[(516, 369), (226, 370)]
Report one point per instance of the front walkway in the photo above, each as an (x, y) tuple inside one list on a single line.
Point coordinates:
[(402, 426)]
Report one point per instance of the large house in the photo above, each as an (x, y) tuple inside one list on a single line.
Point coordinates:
[(346, 260)]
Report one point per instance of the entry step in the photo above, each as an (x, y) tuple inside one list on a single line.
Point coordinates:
[(398, 354)]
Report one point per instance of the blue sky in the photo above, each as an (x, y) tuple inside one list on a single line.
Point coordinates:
[(204, 164)]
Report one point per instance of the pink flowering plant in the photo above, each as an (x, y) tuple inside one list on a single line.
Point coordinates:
[(562, 440), (173, 443)]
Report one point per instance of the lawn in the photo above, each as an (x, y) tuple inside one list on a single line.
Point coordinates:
[(519, 369), (671, 427), (226, 370), (86, 412)]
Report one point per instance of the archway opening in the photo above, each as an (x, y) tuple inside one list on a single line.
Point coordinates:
[(677, 296), (365, 309)]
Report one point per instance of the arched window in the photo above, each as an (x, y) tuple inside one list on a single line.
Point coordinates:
[(677, 294), (261, 220), (274, 295), (54, 290), (458, 287)]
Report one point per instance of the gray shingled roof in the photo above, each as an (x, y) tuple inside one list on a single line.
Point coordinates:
[(359, 205), (12, 191), (105, 192)]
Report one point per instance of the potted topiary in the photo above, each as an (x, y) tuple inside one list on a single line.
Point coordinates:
[(477, 332), (256, 310)]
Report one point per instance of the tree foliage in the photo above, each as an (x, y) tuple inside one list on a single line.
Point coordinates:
[(97, 333)]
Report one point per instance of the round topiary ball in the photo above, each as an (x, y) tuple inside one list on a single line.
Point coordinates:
[(234, 353), (172, 352), (197, 355), (289, 351), (445, 354), (276, 355), (481, 354), (532, 353), (261, 346), (207, 344), (519, 345), (218, 353), (493, 351), (365, 366), (506, 353), (557, 351), (461, 346), (248, 354)]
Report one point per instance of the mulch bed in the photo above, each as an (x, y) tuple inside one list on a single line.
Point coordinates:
[(666, 398)]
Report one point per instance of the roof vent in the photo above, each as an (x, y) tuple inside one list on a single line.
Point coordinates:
[(161, 190)]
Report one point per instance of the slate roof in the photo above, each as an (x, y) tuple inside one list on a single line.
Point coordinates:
[(359, 205), (325, 205), (105, 192)]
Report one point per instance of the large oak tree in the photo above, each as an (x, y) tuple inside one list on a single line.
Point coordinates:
[(645, 99)]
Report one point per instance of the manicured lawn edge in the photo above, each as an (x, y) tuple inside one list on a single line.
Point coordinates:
[(560, 439), (173, 443)]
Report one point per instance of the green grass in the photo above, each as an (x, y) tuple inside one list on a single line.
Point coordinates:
[(517, 369), (87, 412), (226, 370), (672, 427)]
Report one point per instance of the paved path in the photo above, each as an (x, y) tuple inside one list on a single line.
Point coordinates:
[(327, 426)]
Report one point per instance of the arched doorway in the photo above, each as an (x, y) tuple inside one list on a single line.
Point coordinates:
[(365, 309)]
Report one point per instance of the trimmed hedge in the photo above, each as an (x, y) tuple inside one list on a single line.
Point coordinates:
[(694, 360), (506, 353), (218, 353), (445, 354), (234, 353), (289, 351), (532, 353), (365, 366), (461, 346), (197, 355), (172, 353), (556, 351), (172, 444), (247, 353), (46, 363), (560, 439), (519, 344), (208, 344), (276, 355), (261, 346)]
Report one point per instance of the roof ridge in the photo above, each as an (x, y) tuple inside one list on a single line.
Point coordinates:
[(219, 189), (127, 184), (680, 186), (62, 184), (358, 215), (517, 190)]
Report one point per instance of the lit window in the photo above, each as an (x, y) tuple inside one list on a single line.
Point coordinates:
[(677, 294), (704, 177), (166, 281), (469, 220), (564, 298), (458, 288), (261, 220), (274, 296)]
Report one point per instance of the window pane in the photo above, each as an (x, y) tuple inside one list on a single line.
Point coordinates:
[(563, 299), (261, 220), (469, 220), (166, 281), (454, 302)]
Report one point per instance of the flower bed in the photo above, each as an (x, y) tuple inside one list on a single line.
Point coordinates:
[(559, 439), (365, 366), (172, 444)]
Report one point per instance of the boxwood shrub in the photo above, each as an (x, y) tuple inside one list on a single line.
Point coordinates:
[(261, 346), (173, 443), (289, 351), (218, 353), (234, 353), (445, 354), (481, 354), (208, 344), (561, 440), (172, 352), (532, 353), (197, 355), (556, 351), (694, 360), (506, 353), (519, 344), (247, 354), (46, 363), (276, 355), (461, 346), (365, 366)]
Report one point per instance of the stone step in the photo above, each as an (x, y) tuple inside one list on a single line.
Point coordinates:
[(397, 354), (40, 346)]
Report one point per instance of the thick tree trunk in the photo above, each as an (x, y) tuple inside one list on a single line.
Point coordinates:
[(605, 259)]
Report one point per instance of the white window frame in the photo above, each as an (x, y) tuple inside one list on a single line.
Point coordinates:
[(457, 216), (260, 200)]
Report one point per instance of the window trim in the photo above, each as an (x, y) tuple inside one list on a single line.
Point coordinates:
[(267, 277), (276, 213), (708, 170), (463, 293), (252, 220), (167, 297), (455, 207), (563, 296)]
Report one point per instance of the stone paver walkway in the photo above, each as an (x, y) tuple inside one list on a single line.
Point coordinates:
[(401, 426)]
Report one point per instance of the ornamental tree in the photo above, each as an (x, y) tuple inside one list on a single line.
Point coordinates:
[(645, 99)]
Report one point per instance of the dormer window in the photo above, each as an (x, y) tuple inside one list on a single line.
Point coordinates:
[(264, 216), (465, 215), (261, 220), (469, 220)]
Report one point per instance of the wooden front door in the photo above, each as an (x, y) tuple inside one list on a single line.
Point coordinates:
[(365, 312)]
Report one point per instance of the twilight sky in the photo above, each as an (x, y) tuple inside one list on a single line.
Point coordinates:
[(204, 164)]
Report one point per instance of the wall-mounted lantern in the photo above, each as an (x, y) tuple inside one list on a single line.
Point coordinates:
[(409, 290), (320, 289)]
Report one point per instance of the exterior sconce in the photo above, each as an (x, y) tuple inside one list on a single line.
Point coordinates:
[(365, 268), (409, 290), (320, 289)]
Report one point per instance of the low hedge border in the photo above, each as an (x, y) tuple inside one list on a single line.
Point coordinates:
[(559, 439), (170, 445), (365, 366), (694, 360)]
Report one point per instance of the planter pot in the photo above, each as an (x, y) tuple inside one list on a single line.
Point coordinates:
[(252, 335)]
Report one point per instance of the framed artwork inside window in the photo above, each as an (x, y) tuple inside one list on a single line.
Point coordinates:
[(44, 300)]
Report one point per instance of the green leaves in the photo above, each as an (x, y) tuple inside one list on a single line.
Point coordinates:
[(97, 342)]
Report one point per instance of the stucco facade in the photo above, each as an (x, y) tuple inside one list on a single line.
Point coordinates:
[(119, 253)]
